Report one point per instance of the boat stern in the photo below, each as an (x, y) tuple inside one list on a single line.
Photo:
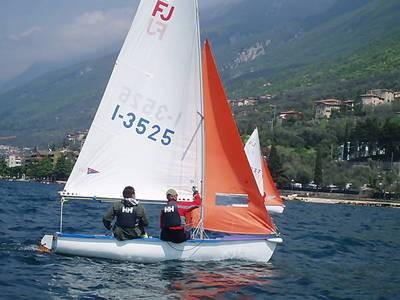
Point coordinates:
[(46, 243)]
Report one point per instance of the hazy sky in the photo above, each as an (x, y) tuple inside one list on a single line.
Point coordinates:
[(56, 30)]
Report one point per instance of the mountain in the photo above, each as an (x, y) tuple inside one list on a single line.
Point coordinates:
[(298, 51), (43, 110), (40, 68), (349, 42), (269, 23), (34, 71)]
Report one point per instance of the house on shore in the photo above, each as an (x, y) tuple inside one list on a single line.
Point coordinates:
[(250, 101), (13, 161), (38, 155), (290, 115), (378, 97), (325, 108)]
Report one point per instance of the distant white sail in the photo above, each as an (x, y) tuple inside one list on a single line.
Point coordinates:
[(147, 129), (253, 153)]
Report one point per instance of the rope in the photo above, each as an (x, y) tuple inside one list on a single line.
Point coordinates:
[(183, 250)]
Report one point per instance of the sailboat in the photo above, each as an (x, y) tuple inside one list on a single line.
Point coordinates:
[(262, 175), (164, 121)]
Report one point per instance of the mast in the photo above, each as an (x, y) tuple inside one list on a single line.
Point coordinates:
[(200, 227)]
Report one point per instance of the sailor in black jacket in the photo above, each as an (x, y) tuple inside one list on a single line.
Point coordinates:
[(130, 217)]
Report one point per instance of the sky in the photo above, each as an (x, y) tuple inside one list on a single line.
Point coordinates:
[(37, 31)]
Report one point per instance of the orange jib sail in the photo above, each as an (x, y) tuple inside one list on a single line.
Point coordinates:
[(227, 171), (272, 197)]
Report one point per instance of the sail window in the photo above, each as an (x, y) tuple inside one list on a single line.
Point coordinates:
[(231, 199)]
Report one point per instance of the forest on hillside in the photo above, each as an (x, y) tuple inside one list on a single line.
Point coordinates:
[(360, 147)]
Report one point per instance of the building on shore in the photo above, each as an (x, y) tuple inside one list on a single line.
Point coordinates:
[(243, 102), (290, 115), (378, 97), (75, 140), (11, 155), (325, 108), (38, 155), (13, 161), (250, 101)]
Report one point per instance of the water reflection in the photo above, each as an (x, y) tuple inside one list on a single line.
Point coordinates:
[(214, 280), (85, 277)]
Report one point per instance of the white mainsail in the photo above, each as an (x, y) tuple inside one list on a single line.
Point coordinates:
[(147, 131), (253, 153)]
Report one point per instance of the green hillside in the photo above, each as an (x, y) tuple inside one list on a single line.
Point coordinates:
[(357, 47)]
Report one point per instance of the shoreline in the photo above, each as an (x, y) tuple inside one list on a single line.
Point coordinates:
[(358, 202)]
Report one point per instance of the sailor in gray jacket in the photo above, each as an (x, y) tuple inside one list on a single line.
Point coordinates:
[(130, 217)]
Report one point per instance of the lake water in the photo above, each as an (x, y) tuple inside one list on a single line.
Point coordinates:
[(329, 252)]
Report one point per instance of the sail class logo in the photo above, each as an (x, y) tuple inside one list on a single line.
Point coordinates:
[(92, 171), (163, 11), (159, 8)]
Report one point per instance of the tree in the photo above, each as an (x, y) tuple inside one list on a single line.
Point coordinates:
[(245, 138), (275, 166), (30, 170), (390, 138), (16, 172), (303, 176), (318, 168), (44, 168), (3, 168), (346, 141), (63, 168)]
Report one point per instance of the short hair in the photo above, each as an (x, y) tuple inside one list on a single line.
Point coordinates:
[(128, 192)]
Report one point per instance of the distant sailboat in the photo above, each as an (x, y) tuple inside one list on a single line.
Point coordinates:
[(164, 121), (265, 183)]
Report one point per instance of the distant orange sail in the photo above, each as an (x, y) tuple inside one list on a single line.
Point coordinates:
[(227, 171), (272, 195)]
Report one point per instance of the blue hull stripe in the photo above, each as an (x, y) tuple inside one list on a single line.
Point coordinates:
[(234, 238)]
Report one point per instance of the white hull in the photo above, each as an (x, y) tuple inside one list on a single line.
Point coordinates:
[(155, 250)]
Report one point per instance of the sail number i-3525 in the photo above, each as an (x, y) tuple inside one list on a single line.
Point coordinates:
[(144, 127)]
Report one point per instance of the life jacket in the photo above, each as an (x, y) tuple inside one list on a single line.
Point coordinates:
[(127, 217), (170, 216)]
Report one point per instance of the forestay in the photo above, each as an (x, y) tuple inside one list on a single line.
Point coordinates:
[(147, 129)]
